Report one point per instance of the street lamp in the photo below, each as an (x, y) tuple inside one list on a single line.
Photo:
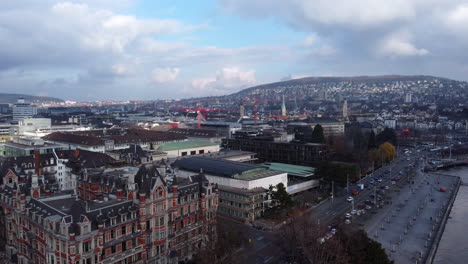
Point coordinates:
[(347, 183)]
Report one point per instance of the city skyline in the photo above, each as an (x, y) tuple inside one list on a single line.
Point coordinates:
[(95, 50)]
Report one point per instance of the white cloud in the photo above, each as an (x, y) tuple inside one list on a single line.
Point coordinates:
[(457, 19), (163, 75), (227, 80), (346, 13), (399, 44), (309, 41), (120, 69), (103, 29), (356, 12)]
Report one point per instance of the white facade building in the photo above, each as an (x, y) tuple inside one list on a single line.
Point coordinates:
[(390, 123), (23, 109)]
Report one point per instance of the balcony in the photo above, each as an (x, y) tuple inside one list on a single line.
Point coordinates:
[(122, 238), (127, 253)]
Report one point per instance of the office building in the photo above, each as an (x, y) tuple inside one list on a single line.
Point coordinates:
[(23, 109)]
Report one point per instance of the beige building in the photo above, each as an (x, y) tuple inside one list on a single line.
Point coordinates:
[(331, 128)]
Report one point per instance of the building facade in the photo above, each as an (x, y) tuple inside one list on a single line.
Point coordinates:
[(146, 218), (23, 109), (269, 151)]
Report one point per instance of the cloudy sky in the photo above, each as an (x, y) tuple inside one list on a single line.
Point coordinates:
[(152, 49)]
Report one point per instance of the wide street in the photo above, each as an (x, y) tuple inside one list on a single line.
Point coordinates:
[(401, 171), (331, 210)]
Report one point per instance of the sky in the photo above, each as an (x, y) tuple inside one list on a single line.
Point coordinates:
[(150, 49)]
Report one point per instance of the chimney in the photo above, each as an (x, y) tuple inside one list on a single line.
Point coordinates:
[(119, 194), (37, 162)]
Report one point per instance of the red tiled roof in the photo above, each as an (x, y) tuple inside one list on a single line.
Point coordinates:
[(120, 136)]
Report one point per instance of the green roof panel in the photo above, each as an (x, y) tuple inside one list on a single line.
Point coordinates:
[(186, 145)]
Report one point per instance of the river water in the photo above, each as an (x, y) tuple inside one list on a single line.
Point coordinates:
[(453, 247)]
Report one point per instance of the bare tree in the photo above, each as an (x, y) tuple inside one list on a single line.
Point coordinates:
[(302, 240)]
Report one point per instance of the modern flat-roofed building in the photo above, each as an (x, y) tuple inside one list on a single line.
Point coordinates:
[(242, 186), (188, 148), (23, 109), (112, 139), (7, 129), (232, 155), (270, 151), (331, 128), (300, 178), (33, 124), (25, 147)]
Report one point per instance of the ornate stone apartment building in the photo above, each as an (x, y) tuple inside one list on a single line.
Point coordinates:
[(149, 216)]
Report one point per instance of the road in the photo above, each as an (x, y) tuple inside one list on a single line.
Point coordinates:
[(331, 211), (263, 250)]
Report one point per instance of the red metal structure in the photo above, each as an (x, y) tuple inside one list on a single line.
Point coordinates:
[(255, 102), (201, 112)]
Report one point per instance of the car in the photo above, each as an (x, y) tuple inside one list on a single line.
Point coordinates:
[(353, 212), (321, 240), (371, 181), (333, 231), (386, 187), (355, 192), (350, 199), (367, 202), (393, 182), (380, 180), (347, 215), (368, 207), (328, 236), (347, 221)]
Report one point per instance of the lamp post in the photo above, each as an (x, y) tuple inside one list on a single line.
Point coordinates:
[(347, 184)]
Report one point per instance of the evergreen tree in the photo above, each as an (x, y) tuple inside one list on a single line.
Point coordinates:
[(372, 143), (280, 198), (317, 135), (387, 135)]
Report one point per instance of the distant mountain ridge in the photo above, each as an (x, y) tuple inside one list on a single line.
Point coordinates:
[(329, 79), (375, 89), (9, 98)]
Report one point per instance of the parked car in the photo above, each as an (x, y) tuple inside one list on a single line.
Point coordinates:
[(347, 221), (347, 215), (350, 199), (353, 212)]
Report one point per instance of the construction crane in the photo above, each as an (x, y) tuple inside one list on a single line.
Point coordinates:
[(201, 112), (255, 102)]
